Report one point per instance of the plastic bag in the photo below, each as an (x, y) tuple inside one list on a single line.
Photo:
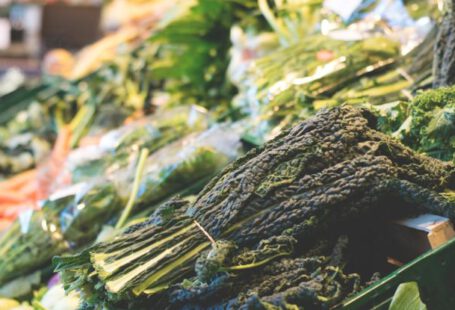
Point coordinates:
[(367, 18), (24, 252), (119, 148), (287, 81), (73, 216), (70, 218), (148, 130), (183, 164), (82, 218)]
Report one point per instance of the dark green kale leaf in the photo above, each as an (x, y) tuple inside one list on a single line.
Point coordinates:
[(324, 175)]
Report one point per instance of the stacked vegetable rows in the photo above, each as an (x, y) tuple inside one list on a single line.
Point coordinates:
[(147, 202)]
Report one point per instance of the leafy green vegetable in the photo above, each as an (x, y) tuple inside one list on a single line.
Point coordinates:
[(407, 297), (159, 130), (62, 223), (305, 187), (24, 253), (25, 140), (193, 52), (158, 184), (314, 67), (289, 84), (430, 127), (21, 153)]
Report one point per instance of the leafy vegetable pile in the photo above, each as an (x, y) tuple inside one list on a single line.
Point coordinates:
[(426, 124), (280, 228), (315, 68), (193, 52), (24, 141), (72, 218), (293, 197)]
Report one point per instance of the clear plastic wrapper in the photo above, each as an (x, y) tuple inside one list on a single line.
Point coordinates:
[(81, 220), (72, 218), (315, 67), (183, 164), (282, 86), (68, 219), (119, 148), (368, 18)]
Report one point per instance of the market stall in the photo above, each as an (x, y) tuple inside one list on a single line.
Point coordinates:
[(238, 155)]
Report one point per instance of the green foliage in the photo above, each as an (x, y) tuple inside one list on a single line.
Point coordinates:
[(67, 221), (22, 253), (193, 52), (308, 185), (430, 127), (407, 297), (390, 115)]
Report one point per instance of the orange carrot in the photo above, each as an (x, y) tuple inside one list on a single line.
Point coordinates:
[(29, 189), (11, 197), (49, 172), (63, 144), (18, 180)]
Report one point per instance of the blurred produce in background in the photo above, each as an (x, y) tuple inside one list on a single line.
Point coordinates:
[(200, 154)]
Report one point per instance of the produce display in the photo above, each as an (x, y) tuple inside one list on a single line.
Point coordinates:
[(318, 179), (75, 215), (245, 155)]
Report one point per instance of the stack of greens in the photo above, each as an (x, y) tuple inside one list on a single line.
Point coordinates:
[(291, 83), (296, 196), (281, 88)]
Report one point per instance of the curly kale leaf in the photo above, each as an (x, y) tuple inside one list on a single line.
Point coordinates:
[(432, 123)]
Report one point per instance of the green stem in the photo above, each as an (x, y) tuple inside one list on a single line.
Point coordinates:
[(80, 123), (59, 120), (268, 14), (137, 179)]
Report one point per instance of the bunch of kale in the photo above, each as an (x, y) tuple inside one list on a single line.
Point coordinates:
[(295, 197)]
